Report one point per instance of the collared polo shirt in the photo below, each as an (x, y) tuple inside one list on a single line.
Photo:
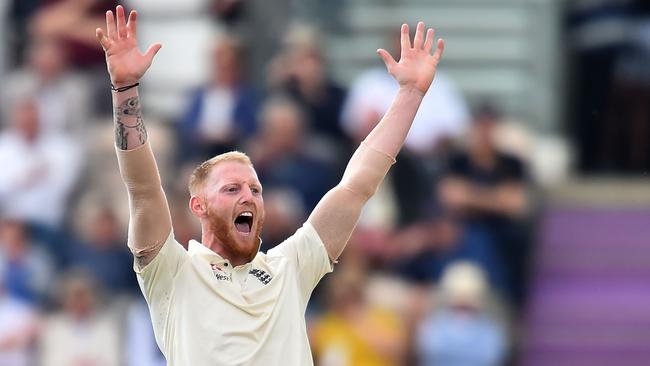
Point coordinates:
[(205, 312)]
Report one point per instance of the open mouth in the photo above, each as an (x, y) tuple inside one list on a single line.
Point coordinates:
[(244, 222)]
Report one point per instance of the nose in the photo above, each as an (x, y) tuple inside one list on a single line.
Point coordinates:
[(246, 195)]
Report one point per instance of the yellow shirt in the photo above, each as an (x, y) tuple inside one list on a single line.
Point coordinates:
[(336, 342), (205, 312)]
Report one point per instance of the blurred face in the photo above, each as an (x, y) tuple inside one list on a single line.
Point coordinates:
[(308, 66), (105, 229), (79, 298), (12, 239), (282, 128), (226, 63), (25, 120), (234, 209), (482, 134), (47, 58)]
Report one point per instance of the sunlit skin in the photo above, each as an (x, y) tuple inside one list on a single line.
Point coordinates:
[(231, 188)]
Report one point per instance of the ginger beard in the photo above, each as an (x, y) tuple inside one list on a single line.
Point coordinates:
[(234, 243)]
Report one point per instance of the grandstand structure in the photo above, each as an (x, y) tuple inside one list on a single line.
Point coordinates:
[(589, 291)]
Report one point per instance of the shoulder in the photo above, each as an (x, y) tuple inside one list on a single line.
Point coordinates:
[(305, 237)]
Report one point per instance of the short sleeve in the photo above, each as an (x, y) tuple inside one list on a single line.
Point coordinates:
[(156, 280), (307, 254)]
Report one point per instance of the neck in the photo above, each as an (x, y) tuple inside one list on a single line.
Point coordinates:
[(212, 242), (312, 88), (483, 156)]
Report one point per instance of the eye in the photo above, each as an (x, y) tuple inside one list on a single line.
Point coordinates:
[(232, 189), (256, 190)]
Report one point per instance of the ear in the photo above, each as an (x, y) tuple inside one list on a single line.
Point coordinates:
[(197, 206)]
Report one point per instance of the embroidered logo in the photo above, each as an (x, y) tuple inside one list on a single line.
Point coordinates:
[(220, 274), (261, 275)]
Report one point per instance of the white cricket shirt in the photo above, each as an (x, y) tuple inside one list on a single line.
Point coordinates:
[(204, 312)]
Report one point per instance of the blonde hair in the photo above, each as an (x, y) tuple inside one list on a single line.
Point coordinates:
[(200, 174)]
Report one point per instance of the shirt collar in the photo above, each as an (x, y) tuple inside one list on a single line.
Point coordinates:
[(197, 249)]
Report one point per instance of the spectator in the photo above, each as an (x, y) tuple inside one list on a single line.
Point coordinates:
[(354, 332), (104, 254), (284, 154), (299, 70), (462, 332), (81, 333), (61, 96), (25, 269), (421, 251), (443, 114), (39, 169), (487, 190), (223, 112), (18, 325)]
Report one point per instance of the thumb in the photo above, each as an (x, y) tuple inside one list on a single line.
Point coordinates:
[(389, 61), (152, 51)]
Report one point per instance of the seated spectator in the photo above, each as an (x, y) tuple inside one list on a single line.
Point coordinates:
[(18, 325), (104, 254), (39, 170), (353, 331), (420, 252), (286, 157), (462, 332), (487, 191), (299, 70), (25, 268), (62, 97), (222, 113), (81, 333)]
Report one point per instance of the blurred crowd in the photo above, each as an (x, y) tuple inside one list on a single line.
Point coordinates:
[(435, 273)]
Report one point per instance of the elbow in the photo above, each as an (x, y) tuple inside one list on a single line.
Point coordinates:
[(144, 193), (359, 188)]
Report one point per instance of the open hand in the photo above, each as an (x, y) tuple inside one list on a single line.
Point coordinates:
[(126, 64), (417, 66)]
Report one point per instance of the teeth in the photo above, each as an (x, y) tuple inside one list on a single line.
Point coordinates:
[(247, 213)]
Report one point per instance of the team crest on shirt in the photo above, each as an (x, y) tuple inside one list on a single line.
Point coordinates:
[(220, 274), (261, 275)]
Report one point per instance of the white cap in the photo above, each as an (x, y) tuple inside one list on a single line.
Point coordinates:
[(464, 283)]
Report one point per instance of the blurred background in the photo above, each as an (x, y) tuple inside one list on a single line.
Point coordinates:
[(514, 229)]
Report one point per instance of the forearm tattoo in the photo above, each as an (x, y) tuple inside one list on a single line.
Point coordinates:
[(128, 121)]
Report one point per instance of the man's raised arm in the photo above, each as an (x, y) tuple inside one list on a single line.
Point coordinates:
[(150, 221), (336, 215)]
